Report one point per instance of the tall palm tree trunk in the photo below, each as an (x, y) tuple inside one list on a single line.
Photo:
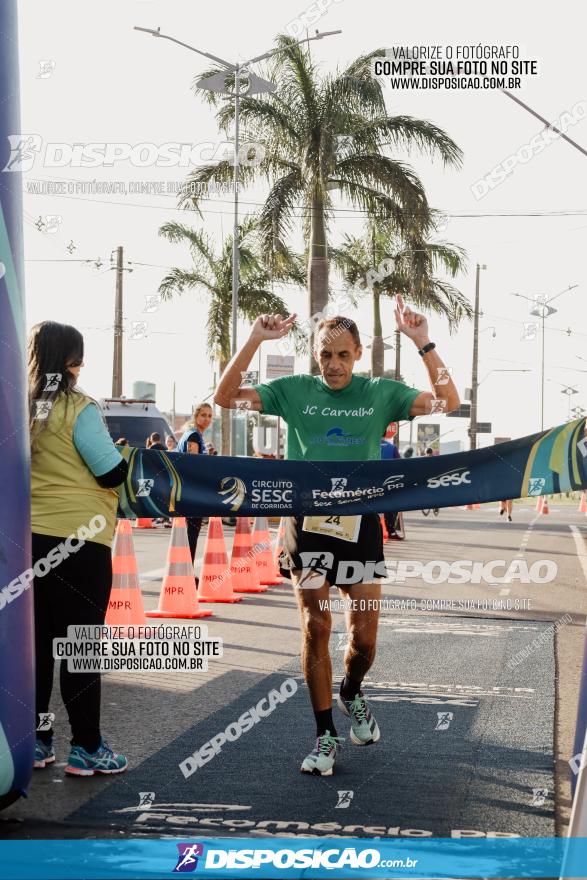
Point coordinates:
[(317, 264), (377, 351)]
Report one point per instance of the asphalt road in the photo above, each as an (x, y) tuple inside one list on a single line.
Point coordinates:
[(145, 713)]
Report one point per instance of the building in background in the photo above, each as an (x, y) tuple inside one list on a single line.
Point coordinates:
[(142, 390)]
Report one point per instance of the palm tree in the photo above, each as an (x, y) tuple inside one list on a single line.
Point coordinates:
[(321, 135), (384, 263), (212, 274)]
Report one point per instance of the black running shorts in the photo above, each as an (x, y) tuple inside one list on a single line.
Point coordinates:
[(322, 557)]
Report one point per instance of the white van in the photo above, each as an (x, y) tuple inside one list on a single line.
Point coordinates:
[(134, 419)]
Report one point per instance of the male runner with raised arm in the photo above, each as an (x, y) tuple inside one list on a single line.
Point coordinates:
[(336, 416)]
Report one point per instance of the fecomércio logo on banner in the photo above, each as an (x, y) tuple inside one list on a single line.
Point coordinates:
[(339, 491), (187, 859)]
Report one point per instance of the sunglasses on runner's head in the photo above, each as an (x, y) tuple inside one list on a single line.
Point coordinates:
[(77, 363)]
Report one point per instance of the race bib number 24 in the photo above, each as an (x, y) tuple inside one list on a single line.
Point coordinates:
[(346, 528)]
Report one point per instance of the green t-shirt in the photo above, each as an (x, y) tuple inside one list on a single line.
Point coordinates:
[(328, 425)]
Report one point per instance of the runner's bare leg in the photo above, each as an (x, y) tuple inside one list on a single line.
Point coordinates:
[(316, 624), (362, 619)]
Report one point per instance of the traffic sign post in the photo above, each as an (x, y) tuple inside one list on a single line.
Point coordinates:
[(279, 365), (463, 412)]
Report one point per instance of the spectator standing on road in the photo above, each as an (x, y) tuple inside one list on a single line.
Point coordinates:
[(389, 451), (193, 443), (154, 442), (429, 453), (75, 467), (170, 443), (506, 507)]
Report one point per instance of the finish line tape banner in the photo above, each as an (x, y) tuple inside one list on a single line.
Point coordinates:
[(287, 858), (162, 483)]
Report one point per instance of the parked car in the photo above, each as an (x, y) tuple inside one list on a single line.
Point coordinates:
[(134, 419)]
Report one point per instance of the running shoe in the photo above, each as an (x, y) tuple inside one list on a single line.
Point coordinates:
[(509, 517), (103, 760), (44, 754), (321, 759), (501, 511), (364, 728)]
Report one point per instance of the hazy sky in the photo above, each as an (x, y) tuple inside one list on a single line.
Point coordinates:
[(111, 84)]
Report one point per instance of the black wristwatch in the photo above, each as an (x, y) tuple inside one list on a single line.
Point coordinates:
[(426, 348)]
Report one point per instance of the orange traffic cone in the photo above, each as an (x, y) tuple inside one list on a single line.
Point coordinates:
[(583, 504), (143, 523), (125, 606), (262, 549), (279, 546), (383, 527), (539, 503), (545, 509), (215, 577), (242, 562), (178, 594)]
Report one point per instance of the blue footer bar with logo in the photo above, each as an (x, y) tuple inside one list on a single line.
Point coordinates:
[(289, 858)]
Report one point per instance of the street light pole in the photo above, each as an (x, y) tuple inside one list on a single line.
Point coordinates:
[(474, 376), (235, 251), (542, 373), (542, 309), (117, 359)]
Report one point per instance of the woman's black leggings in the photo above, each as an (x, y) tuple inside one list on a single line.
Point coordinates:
[(74, 593), (194, 524)]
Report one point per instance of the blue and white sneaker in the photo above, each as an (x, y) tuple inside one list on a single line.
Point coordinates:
[(103, 760), (44, 754), (321, 759), (364, 728)]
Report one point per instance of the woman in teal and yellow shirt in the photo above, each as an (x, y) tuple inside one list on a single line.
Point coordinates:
[(75, 468)]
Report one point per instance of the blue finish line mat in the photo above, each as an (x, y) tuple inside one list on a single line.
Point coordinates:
[(466, 711)]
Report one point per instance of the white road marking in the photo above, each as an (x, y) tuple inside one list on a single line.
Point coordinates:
[(579, 536)]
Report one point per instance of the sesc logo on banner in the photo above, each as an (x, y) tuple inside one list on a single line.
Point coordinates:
[(234, 491), (456, 477), (272, 494)]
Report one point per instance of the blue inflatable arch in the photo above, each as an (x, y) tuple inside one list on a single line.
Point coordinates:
[(17, 716)]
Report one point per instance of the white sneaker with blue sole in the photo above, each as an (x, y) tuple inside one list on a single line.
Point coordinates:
[(364, 728), (320, 761)]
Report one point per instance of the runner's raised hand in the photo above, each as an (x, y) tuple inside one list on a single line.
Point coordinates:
[(272, 326), (411, 324)]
